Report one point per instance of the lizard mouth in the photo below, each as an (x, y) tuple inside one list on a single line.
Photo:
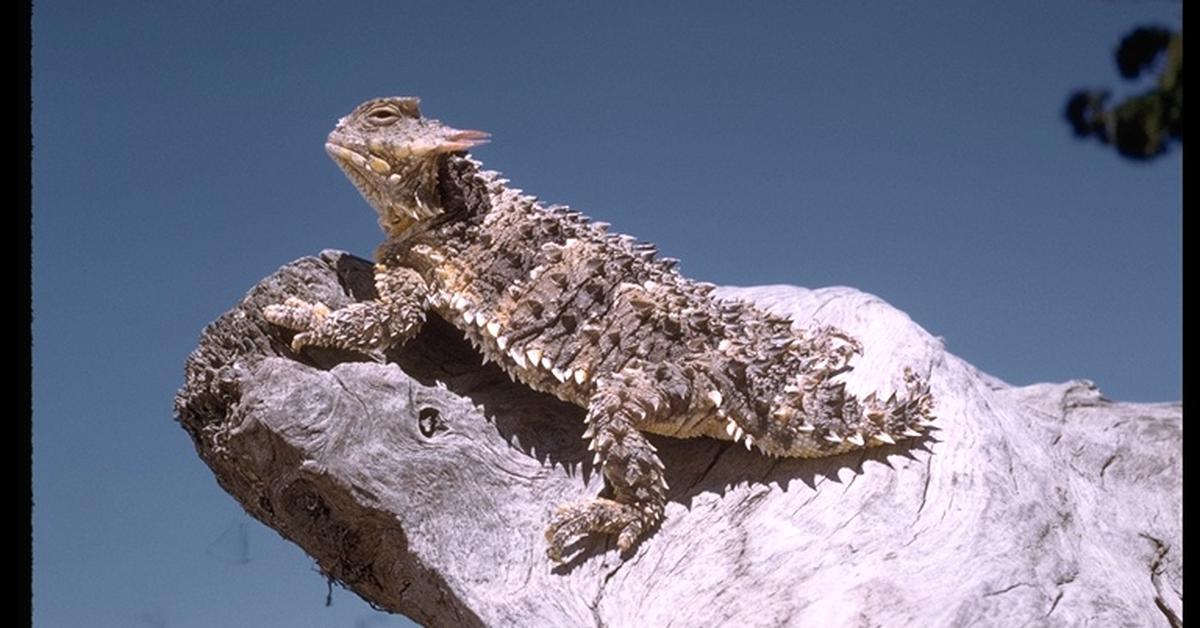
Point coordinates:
[(401, 186)]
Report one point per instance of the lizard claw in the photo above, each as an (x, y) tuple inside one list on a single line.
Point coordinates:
[(299, 341)]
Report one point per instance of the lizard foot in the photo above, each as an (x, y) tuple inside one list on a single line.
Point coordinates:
[(368, 327), (297, 315), (598, 515)]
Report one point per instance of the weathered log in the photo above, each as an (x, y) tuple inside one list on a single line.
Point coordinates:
[(424, 485)]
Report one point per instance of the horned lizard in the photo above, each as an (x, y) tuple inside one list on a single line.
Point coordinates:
[(593, 318)]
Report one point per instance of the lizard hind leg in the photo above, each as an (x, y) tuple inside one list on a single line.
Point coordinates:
[(620, 405)]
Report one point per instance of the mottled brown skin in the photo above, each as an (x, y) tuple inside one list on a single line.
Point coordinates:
[(592, 318)]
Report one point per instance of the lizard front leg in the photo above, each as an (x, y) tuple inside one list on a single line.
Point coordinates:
[(621, 404), (369, 327)]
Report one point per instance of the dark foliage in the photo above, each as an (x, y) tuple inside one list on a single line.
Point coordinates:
[(1141, 126)]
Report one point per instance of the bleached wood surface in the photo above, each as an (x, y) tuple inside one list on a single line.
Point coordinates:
[(424, 485)]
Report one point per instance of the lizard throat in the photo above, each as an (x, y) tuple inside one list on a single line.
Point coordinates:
[(402, 195)]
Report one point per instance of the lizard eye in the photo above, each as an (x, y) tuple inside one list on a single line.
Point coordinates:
[(383, 116)]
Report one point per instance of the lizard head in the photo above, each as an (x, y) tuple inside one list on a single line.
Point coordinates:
[(391, 154)]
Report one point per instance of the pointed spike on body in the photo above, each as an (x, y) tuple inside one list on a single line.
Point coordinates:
[(596, 458), (589, 432), (715, 397), (546, 363), (730, 428), (738, 433), (749, 442), (911, 433), (856, 439), (493, 328), (502, 342), (534, 355), (884, 438), (581, 376), (518, 356), (806, 428), (833, 438)]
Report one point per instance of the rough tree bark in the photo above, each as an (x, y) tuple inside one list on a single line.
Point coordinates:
[(424, 485)]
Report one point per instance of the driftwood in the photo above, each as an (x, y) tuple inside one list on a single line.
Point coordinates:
[(424, 485)]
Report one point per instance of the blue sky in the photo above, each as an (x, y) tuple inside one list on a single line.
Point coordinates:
[(912, 150)]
